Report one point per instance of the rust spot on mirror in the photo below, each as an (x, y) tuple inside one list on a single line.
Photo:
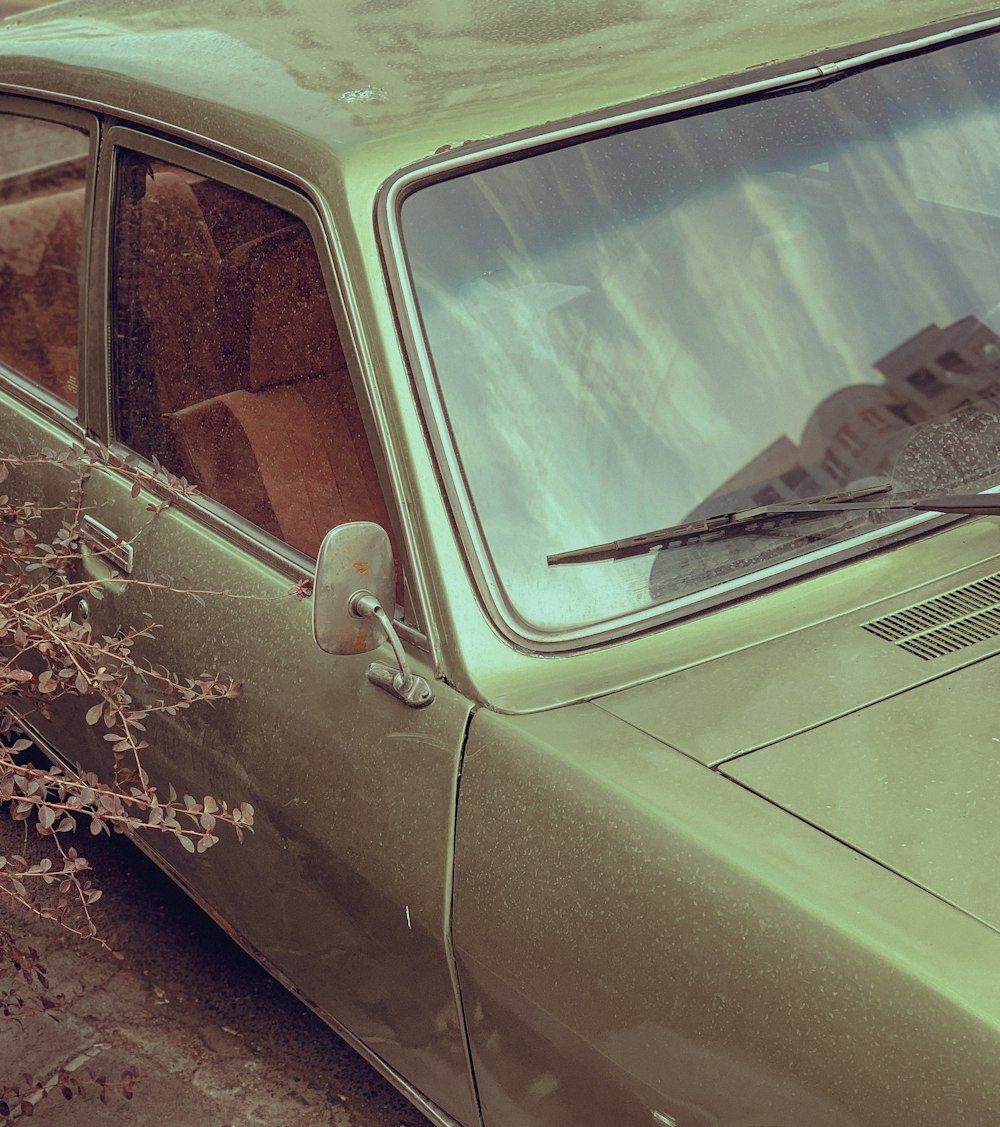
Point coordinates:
[(353, 559)]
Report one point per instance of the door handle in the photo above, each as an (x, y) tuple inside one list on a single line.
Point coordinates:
[(107, 544)]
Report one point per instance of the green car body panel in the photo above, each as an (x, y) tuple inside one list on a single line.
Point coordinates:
[(734, 870)]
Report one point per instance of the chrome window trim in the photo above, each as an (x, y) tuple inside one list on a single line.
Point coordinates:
[(50, 407), (388, 212)]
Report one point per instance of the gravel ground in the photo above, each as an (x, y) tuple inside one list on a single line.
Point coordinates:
[(217, 1041)]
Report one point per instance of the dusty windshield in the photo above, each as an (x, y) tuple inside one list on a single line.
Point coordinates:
[(773, 300)]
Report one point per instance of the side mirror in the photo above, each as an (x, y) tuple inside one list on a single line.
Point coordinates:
[(354, 560), (355, 582)]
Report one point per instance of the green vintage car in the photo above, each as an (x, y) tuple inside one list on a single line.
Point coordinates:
[(645, 358)]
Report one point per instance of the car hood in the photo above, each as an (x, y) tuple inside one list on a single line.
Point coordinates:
[(913, 782), (881, 727)]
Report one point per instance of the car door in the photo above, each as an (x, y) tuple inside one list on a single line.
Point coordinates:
[(227, 366)]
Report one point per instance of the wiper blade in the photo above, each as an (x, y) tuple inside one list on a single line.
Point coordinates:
[(743, 520)]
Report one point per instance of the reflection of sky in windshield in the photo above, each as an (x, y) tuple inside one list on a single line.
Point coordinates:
[(648, 326)]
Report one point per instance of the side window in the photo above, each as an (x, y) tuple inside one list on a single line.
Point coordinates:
[(43, 170), (227, 363)]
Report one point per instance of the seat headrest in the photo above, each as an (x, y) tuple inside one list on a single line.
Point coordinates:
[(281, 328)]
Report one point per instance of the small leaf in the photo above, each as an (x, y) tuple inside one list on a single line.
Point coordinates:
[(94, 713), (187, 843), (136, 488)]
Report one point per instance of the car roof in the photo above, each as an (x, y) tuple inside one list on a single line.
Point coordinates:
[(332, 84)]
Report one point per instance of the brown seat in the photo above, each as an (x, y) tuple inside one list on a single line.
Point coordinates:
[(177, 272), (39, 289), (190, 281), (289, 452)]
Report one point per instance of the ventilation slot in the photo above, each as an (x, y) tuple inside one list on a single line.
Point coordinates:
[(946, 623)]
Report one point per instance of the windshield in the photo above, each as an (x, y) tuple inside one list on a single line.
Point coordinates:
[(782, 298)]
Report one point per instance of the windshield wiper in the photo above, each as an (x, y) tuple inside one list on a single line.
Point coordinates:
[(743, 520)]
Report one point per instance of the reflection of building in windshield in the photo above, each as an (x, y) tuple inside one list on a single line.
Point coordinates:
[(857, 431)]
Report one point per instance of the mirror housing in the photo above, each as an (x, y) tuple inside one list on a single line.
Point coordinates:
[(354, 560), (355, 582)]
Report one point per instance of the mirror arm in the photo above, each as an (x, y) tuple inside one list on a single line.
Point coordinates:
[(402, 682)]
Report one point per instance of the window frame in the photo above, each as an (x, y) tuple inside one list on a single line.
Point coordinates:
[(222, 520), (51, 406)]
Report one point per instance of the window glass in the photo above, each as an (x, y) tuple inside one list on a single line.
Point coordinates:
[(43, 169), (761, 302), (228, 366)]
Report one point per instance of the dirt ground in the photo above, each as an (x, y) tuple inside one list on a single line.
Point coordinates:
[(218, 1043)]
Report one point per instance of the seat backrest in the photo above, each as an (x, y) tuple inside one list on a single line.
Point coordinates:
[(178, 267), (39, 288), (288, 451)]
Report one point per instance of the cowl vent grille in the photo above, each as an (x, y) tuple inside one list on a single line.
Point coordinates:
[(946, 623)]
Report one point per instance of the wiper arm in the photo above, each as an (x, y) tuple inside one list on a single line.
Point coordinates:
[(722, 524)]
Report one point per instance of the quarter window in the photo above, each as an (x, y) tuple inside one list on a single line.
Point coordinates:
[(43, 170), (228, 365)]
